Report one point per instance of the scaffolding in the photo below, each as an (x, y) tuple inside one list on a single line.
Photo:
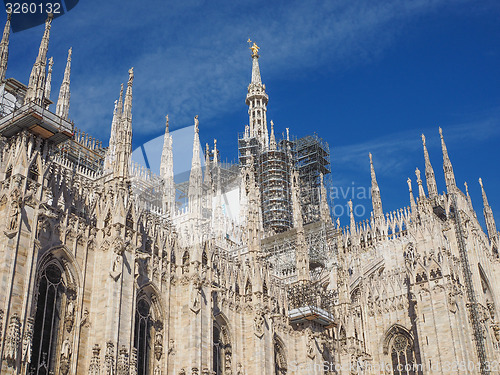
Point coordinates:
[(312, 159), (84, 150), (274, 180), (147, 187), (310, 301), (248, 147), (472, 304), (37, 120), (280, 250)]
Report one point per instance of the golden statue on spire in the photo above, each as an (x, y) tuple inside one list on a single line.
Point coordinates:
[(255, 48)]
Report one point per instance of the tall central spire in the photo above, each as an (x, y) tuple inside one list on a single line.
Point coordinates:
[(257, 100)]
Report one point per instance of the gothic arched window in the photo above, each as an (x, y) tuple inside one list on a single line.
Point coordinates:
[(222, 354), (402, 356), (280, 366), (47, 320), (217, 350), (400, 347), (142, 336)]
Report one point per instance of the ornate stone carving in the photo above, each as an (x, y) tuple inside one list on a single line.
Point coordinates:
[(171, 347), (122, 366), (109, 359), (65, 356), (85, 321), (94, 368), (15, 210), (259, 323), (133, 362), (158, 345), (69, 317), (195, 304), (227, 362), (116, 267), (27, 339), (496, 331), (141, 264), (310, 344), (12, 340)]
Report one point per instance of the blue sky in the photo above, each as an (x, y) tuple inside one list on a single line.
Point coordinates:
[(367, 76)]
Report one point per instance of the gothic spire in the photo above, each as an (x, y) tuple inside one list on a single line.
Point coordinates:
[(469, 200), (36, 85), (253, 207), (324, 209), (124, 132), (196, 176), (488, 216), (302, 255), (413, 205), (272, 140), (216, 153), (48, 86), (117, 113), (257, 102), (219, 217), (421, 192), (4, 48), (376, 199), (167, 171), (62, 108), (430, 178), (352, 223), (207, 178), (449, 176)]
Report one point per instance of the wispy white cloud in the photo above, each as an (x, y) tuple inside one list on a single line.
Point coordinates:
[(190, 57), (393, 153)]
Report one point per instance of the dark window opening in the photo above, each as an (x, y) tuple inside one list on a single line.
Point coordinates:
[(142, 336), (47, 319)]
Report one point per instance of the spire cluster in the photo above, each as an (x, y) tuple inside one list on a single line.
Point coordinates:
[(121, 137)]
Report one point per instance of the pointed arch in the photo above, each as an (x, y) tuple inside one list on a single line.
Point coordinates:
[(280, 361), (399, 345), (148, 327), (57, 284), (221, 346)]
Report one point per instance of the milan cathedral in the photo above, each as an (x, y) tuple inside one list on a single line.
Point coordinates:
[(107, 268)]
